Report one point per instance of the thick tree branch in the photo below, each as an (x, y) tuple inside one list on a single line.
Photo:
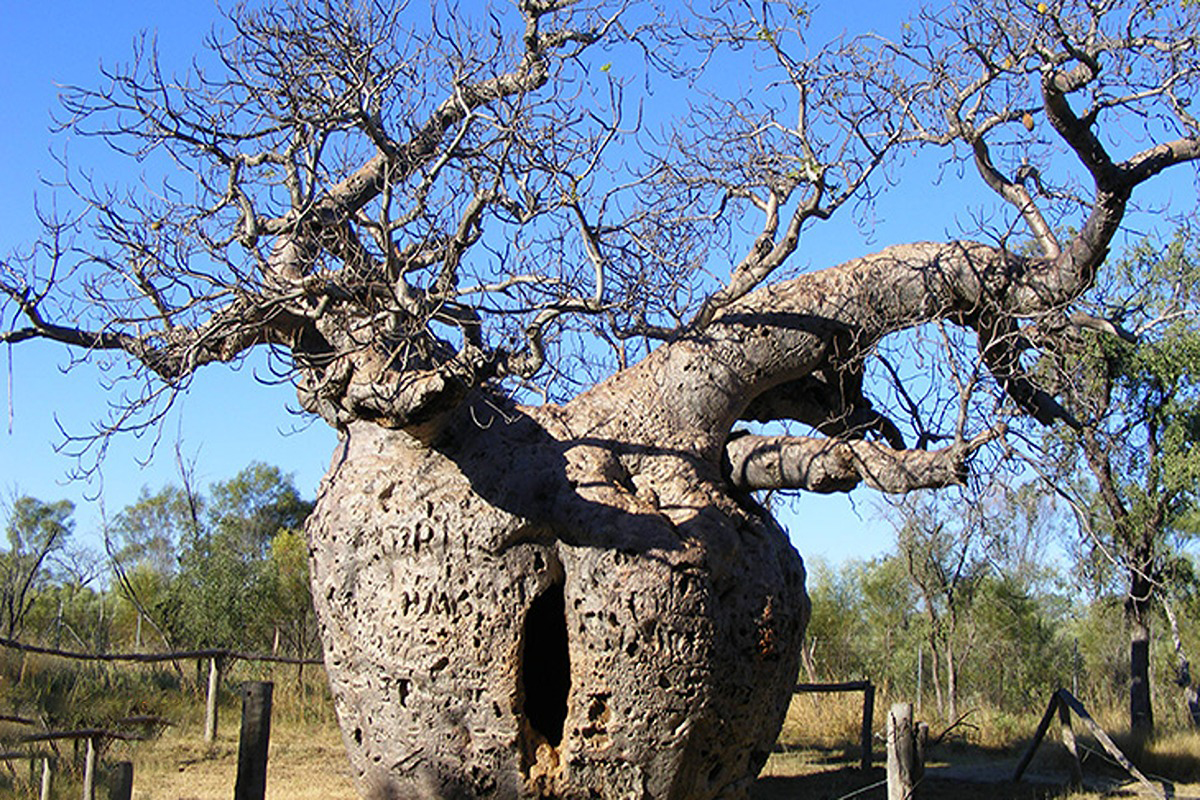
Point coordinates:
[(1018, 196), (831, 465), (176, 352), (833, 404), (1148, 163), (1075, 132)]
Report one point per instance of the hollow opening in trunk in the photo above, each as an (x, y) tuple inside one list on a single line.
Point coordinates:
[(546, 665)]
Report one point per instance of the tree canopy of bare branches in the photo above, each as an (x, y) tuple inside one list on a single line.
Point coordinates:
[(434, 220), (406, 213)]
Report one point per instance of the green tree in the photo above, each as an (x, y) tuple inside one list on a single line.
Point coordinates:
[(36, 531), (939, 543), (1133, 387), (1018, 656), (895, 627), (1185, 597), (833, 648), (248, 510), (291, 609), (148, 531), (223, 592), (143, 543)]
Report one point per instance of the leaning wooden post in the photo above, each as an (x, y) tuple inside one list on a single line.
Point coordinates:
[(210, 701), (121, 787), (1107, 743), (89, 770), (252, 744), (47, 779), (1068, 740), (868, 719), (904, 766), (1038, 735)]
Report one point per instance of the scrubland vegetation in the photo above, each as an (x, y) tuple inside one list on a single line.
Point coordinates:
[(1068, 564), (967, 592)]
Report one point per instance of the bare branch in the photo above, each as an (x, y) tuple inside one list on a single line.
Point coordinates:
[(830, 465)]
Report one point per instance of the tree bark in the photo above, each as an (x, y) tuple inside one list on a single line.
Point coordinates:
[(1141, 714), (1183, 669), (951, 680), (512, 613), (806, 656)]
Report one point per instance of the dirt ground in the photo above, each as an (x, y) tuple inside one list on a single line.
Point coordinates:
[(966, 773), (302, 764), (310, 764)]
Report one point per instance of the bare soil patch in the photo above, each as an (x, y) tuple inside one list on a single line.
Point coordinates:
[(962, 772), (309, 763)]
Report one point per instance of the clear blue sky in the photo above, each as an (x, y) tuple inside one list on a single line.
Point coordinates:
[(227, 421)]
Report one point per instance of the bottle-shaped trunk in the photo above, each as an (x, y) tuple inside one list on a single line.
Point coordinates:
[(507, 615)]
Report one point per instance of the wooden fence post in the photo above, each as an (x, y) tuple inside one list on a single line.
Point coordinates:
[(252, 744), (1065, 703), (47, 779), (868, 719), (868, 713), (210, 701), (1068, 740), (1038, 735), (121, 787), (1068, 699), (89, 770), (904, 753)]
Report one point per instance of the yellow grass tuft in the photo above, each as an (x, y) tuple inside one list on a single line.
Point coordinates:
[(825, 721), (305, 762)]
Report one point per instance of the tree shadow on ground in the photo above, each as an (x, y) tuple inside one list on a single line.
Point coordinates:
[(871, 785), (970, 771)]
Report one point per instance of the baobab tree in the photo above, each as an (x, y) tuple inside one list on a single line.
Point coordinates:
[(535, 317)]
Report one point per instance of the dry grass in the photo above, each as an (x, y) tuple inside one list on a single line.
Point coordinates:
[(304, 763), (830, 721), (1175, 754), (819, 755), (820, 749), (306, 760)]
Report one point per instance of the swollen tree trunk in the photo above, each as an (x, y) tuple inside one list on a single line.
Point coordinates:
[(584, 600), (511, 613)]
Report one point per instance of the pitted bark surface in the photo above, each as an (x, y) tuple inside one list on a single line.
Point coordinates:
[(583, 601), (681, 612)]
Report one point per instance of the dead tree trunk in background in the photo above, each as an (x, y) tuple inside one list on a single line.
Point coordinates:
[(1183, 669)]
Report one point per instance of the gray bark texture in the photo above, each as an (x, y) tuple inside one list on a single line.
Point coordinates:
[(495, 626), (584, 600)]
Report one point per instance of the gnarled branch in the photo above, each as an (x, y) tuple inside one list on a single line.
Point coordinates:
[(831, 465)]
